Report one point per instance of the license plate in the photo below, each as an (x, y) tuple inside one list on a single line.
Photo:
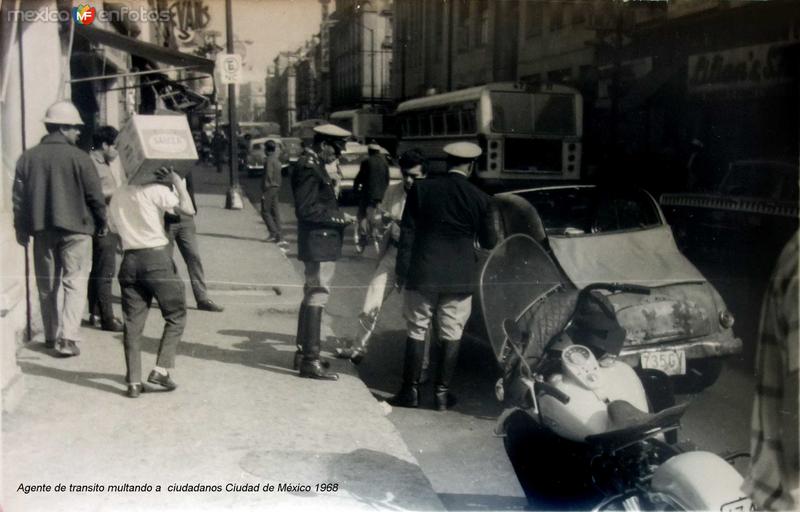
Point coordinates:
[(740, 505), (671, 362)]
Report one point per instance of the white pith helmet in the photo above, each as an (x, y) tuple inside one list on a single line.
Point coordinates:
[(63, 112)]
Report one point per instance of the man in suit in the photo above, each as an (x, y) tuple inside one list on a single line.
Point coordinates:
[(370, 183), (320, 227), (58, 200), (436, 265)]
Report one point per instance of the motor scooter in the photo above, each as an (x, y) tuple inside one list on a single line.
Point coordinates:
[(580, 429)]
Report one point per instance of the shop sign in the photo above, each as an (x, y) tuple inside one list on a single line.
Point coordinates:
[(748, 67), (188, 16)]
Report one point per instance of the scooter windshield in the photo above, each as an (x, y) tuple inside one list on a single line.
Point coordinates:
[(517, 273)]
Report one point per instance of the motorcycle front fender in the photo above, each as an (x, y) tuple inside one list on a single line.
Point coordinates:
[(700, 481)]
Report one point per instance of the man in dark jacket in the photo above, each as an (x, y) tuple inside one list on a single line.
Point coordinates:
[(58, 200), (320, 226), (437, 265), (370, 184)]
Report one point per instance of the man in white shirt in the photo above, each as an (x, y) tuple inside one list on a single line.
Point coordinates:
[(147, 271), (393, 203)]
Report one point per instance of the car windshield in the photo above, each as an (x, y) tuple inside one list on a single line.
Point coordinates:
[(585, 210), (769, 180)]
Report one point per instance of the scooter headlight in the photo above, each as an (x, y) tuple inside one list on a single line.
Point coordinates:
[(726, 319)]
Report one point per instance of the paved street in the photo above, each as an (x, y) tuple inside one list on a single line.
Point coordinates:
[(464, 461)]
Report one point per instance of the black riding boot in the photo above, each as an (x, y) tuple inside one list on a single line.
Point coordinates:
[(408, 396), (311, 366), (447, 368), (301, 335), (302, 329)]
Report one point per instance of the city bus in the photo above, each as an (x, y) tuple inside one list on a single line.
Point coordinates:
[(529, 133)]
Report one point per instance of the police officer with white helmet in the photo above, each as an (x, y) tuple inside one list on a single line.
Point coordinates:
[(436, 265), (320, 227)]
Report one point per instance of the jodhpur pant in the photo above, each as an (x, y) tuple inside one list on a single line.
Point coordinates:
[(62, 261), (452, 311), (317, 287), (143, 275), (184, 235)]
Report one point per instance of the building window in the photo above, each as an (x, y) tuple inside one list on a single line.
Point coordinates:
[(556, 16), (462, 31), (482, 23), (534, 15)]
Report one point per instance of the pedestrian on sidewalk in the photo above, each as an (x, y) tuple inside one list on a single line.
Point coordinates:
[(320, 231), (104, 248), (436, 264), (269, 193), (370, 185), (57, 199), (147, 271), (182, 232), (773, 481), (383, 278)]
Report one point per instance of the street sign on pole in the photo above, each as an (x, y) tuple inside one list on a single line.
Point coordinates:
[(230, 68)]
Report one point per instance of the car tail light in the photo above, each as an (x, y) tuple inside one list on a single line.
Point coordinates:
[(726, 319)]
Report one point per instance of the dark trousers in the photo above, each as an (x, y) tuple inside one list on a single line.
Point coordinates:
[(184, 235), (143, 275), (104, 261), (270, 212)]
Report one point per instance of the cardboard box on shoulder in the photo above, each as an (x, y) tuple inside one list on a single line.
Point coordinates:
[(148, 142)]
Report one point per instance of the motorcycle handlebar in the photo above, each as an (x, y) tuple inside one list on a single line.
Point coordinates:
[(620, 287), (549, 389)]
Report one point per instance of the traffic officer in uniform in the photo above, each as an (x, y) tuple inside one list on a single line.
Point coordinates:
[(320, 227), (437, 266)]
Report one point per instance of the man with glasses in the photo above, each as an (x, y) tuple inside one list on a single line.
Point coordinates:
[(58, 200), (392, 205)]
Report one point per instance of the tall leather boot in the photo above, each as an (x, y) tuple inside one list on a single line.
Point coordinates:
[(447, 368), (408, 396), (301, 335), (311, 366)]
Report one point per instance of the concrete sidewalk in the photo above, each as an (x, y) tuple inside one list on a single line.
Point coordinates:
[(240, 415)]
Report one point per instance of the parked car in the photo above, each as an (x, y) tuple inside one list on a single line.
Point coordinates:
[(752, 212), (597, 234), (350, 162), (292, 149), (256, 155)]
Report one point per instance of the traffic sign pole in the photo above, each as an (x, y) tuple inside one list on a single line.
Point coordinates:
[(233, 199)]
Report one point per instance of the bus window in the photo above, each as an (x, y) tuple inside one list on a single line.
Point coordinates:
[(412, 126), (438, 123), (468, 121), (452, 124), (424, 125), (512, 112), (554, 114)]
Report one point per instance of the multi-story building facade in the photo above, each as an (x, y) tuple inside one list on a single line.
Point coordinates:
[(361, 42), (281, 89)]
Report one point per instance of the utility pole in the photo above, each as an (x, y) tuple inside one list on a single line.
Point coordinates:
[(233, 199)]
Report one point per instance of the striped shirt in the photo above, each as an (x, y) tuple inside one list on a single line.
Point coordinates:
[(773, 479)]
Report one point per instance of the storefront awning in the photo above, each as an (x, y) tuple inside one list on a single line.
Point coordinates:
[(145, 50)]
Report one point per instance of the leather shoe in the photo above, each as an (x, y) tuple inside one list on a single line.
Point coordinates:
[(49, 343), (95, 321), (67, 348), (165, 381), (210, 305), (115, 325), (315, 370), (298, 358), (134, 390)]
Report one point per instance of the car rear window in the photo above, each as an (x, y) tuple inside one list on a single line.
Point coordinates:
[(586, 210)]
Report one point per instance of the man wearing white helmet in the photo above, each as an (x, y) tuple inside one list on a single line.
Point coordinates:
[(435, 263), (58, 200)]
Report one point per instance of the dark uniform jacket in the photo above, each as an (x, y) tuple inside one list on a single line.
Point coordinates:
[(56, 187), (373, 178), (442, 217), (320, 223)]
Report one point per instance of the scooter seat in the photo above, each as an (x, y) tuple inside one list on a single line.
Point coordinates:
[(629, 424)]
